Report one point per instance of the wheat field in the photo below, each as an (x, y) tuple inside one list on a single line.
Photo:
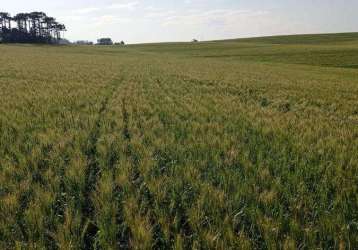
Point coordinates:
[(238, 144)]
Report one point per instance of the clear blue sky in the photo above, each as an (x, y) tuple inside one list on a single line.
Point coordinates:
[(172, 20)]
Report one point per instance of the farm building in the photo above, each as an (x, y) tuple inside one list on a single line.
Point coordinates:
[(105, 41)]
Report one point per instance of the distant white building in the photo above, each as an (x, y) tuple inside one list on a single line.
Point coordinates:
[(104, 41), (83, 42)]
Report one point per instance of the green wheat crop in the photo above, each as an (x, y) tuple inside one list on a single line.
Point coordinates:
[(238, 144)]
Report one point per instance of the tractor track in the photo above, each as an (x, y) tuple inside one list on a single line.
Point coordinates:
[(146, 198), (93, 173)]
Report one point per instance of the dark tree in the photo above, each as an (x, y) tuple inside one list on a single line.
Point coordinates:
[(5, 21), (20, 20), (34, 27)]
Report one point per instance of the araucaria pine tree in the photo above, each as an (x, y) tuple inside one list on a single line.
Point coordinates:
[(34, 27)]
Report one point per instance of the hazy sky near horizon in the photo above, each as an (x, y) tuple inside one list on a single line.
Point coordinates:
[(136, 21)]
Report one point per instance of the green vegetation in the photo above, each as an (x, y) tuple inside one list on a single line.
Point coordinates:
[(240, 144)]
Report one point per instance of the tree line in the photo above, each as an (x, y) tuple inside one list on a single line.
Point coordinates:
[(34, 27)]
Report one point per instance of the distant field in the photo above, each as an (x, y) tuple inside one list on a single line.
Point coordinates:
[(332, 50), (238, 144)]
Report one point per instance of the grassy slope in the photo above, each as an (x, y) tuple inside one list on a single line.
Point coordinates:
[(248, 143), (335, 50)]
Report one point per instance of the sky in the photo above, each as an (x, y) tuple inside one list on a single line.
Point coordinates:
[(142, 21)]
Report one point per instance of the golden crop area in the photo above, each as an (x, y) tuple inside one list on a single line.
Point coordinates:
[(239, 144)]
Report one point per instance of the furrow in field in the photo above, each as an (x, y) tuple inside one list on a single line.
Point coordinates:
[(143, 195), (168, 209), (93, 173), (109, 195)]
